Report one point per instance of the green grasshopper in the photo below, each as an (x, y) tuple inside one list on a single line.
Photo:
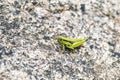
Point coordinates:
[(70, 43)]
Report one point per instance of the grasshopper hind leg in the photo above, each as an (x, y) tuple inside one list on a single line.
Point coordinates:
[(71, 48), (63, 49)]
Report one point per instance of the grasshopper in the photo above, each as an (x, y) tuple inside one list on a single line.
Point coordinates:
[(70, 43)]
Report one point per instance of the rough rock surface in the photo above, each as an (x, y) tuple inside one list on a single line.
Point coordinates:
[(28, 46)]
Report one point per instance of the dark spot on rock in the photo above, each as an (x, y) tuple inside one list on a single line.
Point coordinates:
[(34, 2), (11, 25), (58, 18), (48, 73), (8, 52), (5, 24), (43, 17), (73, 7), (29, 9), (96, 47), (73, 14), (118, 12), (0, 55), (3, 31), (1, 18), (30, 18), (17, 34), (83, 8), (46, 37), (57, 49), (111, 44), (2, 50), (17, 5), (29, 72), (42, 79), (17, 11), (1, 6), (70, 26), (14, 25), (91, 46), (51, 26), (116, 54), (13, 42), (111, 50), (89, 37)]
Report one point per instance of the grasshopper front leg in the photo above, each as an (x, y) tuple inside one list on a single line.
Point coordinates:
[(64, 44)]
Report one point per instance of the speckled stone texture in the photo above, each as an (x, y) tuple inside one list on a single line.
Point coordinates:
[(29, 49)]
